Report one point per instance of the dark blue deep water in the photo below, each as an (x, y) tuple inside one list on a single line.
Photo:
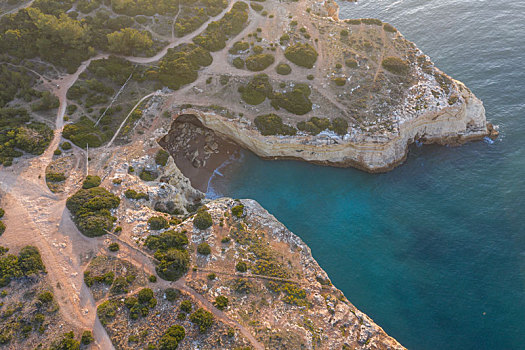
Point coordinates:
[(433, 251)]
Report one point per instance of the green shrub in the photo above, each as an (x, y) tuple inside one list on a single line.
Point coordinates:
[(224, 79), (186, 306), (221, 302), (238, 47), (158, 223), (57, 152), (114, 247), (2, 213), (107, 311), (172, 294), (87, 338), (344, 33), (145, 295), (259, 62), (271, 124), (132, 194), (173, 260), (91, 181), (302, 54), (216, 33), (2, 228), (241, 266), (371, 21), (339, 81), (212, 276), (171, 339), (152, 278), (238, 63), (204, 248), (148, 175), (67, 342), (90, 210), (181, 64), (296, 101), (315, 125), (257, 89), (351, 63), (45, 297), (389, 28), (283, 69), (256, 7), (202, 219), (238, 210), (161, 158), (55, 177), (27, 262), (395, 65), (203, 319), (65, 146)]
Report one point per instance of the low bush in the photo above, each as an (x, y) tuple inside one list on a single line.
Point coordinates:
[(241, 266), (158, 223), (132, 194), (148, 175), (238, 47), (171, 339), (296, 101), (271, 124), (202, 219), (91, 210), (238, 210), (283, 69), (172, 258), (351, 63), (107, 311), (161, 158), (172, 294), (87, 338), (114, 247), (238, 63), (2, 228), (395, 65), (181, 64), (302, 54), (256, 7), (57, 152), (256, 91), (315, 125), (91, 181), (259, 62), (371, 21), (186, 306), (66, 146), (28, 262), (221, 302), (204, 249), (389, 28), (203, 319), (55, 177), (339, 81)]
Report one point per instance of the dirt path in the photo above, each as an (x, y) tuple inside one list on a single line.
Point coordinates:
[(188, 38)]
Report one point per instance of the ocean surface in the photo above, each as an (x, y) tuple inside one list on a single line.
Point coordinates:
[(433, 251)]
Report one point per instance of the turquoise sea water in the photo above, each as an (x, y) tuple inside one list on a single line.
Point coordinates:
[(433, 251)]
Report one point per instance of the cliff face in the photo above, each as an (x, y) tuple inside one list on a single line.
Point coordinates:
[(373, 152), (283, 297)]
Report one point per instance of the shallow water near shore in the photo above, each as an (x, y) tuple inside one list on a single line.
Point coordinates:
[(433, 251)]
